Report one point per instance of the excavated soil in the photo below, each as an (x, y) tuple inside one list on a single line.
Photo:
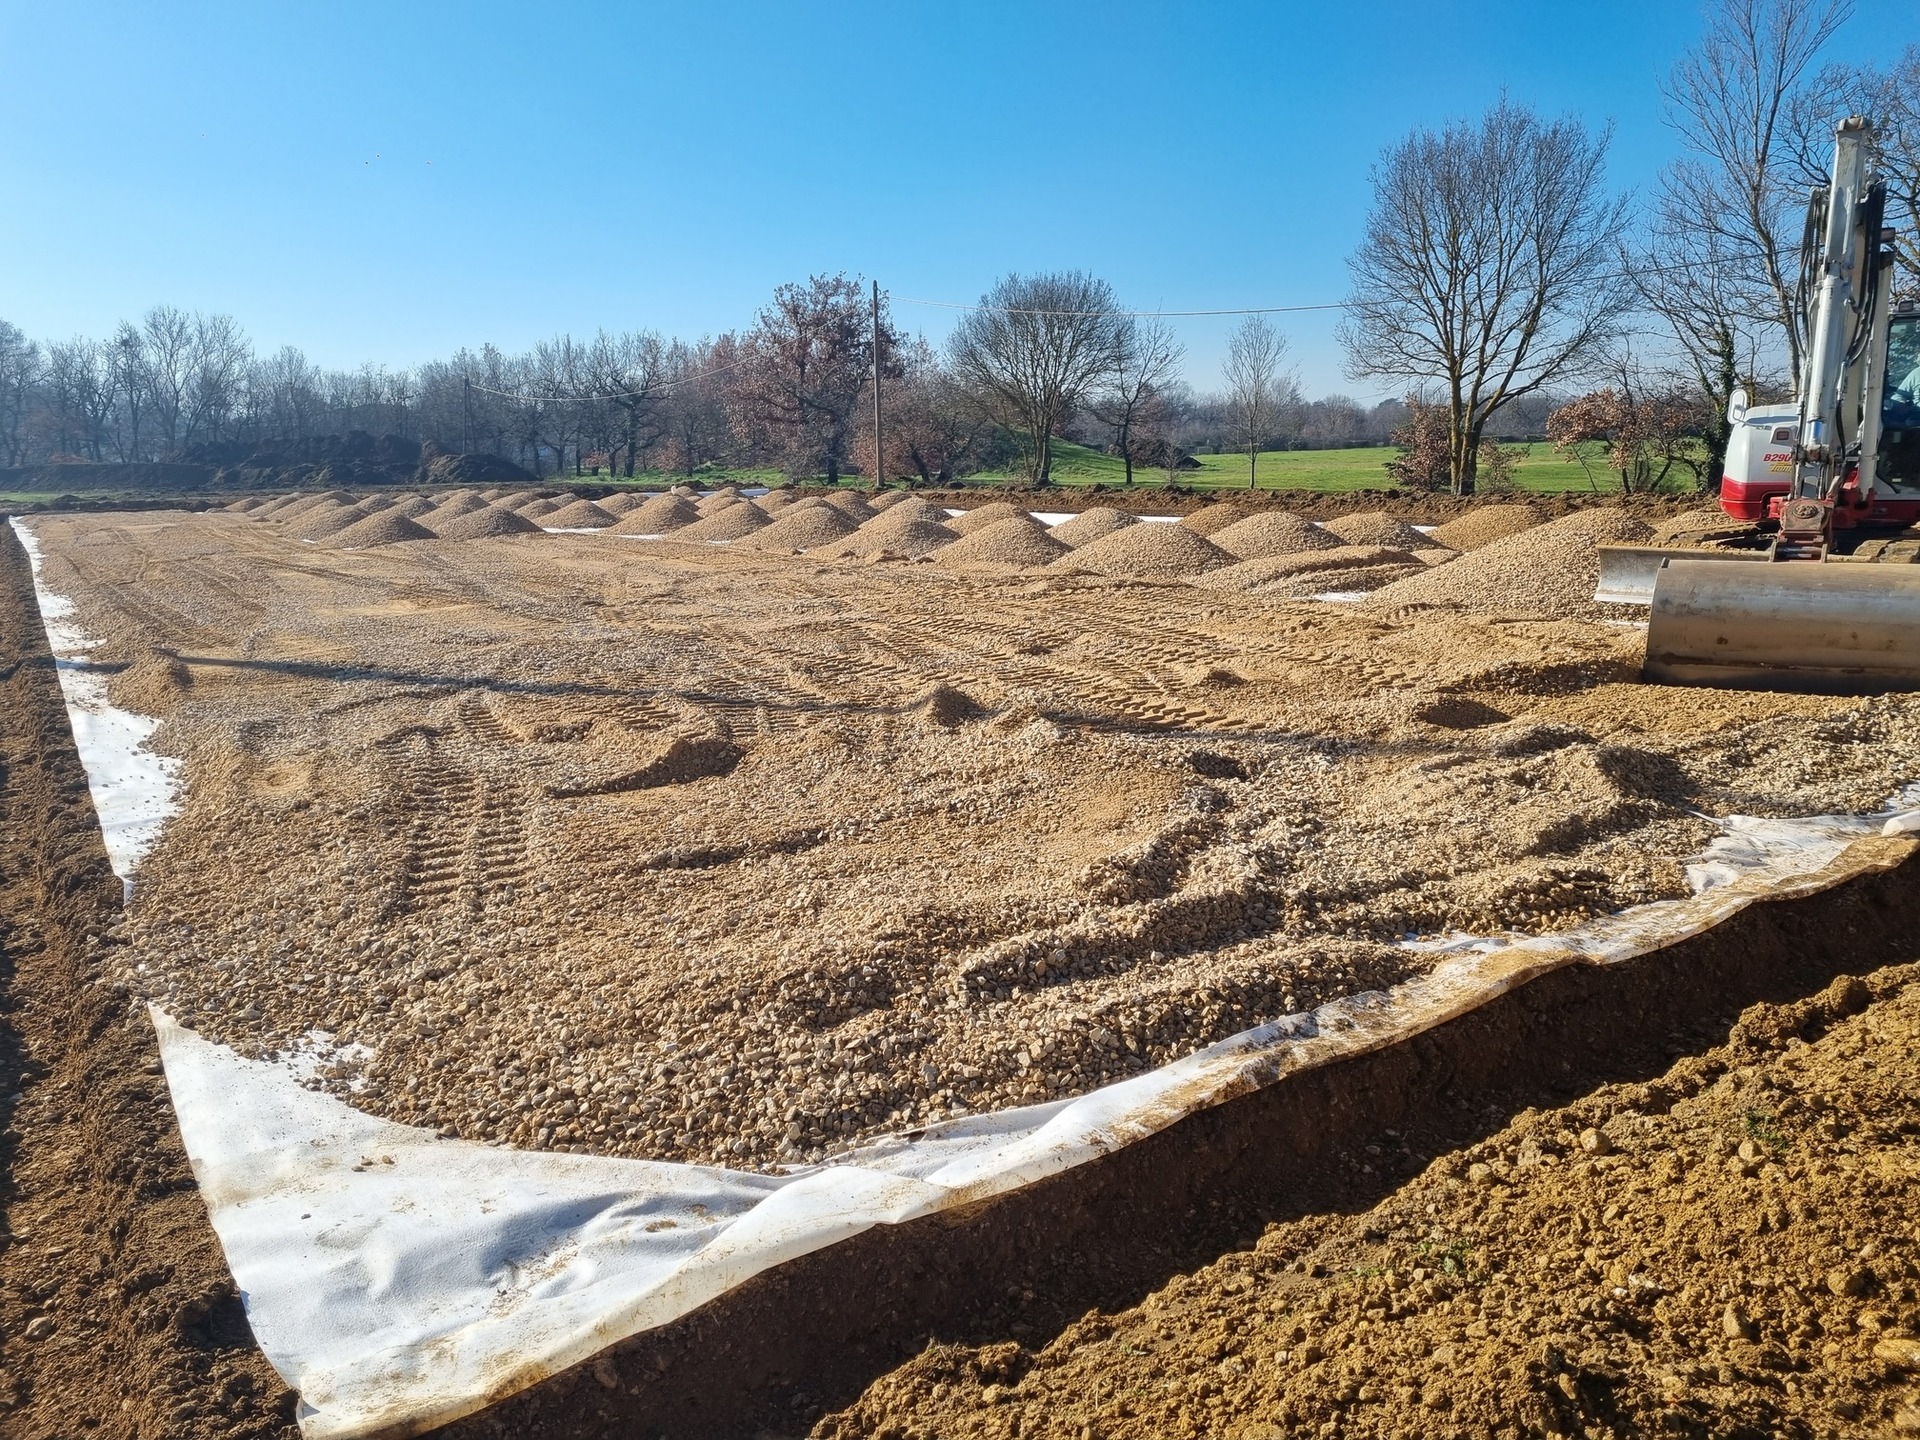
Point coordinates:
[(117, 1315), (697, 853), (1726, 1250)]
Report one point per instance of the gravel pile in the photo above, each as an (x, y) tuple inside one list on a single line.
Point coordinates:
[(301, 504), (624, 503), (774, 501), (1210, 519), (580, 515), (982, 516), (659, 515), (485, 523), (1376, 527), (413, 507), (1091, 525), (886, 500), (803, 526), (1549, 570), (1016, 540), (721, 499), (1484, 524), (895, 532), (855, 507), (1273, 532), (1279, 573), (729, 522), (451, 507), (1156, 552), (376, 502), (244, 504), (382, 528), (320, 521), (538, 506)]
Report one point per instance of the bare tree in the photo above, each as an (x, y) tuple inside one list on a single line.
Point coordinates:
[(1891, 99), (804, 369), (1487, 267), (1729, 99), (1146, 358), (1032, 352), (1256, 390), (697, 377), (81, 376), (19, 373), (630, 369)]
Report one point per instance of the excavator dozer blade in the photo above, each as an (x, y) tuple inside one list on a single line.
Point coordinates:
[(1795, 625), (1627, 571)]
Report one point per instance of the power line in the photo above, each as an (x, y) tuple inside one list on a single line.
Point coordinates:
[(659, 389)]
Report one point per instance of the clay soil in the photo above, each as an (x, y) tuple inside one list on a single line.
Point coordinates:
[(577, 841), (117, 1316), (1727, 1250)]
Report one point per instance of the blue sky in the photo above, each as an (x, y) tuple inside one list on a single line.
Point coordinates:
[(388, 182)]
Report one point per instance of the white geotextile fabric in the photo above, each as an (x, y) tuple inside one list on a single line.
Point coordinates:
[(399, 1281)]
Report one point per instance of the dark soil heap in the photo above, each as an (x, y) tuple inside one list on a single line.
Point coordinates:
[(1727, 1251)]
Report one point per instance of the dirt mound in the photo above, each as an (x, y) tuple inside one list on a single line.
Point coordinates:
[(624, 503), (1149, 551), (721, 499), (773, 502), (580, 515), (1273, 532), (384, 528), (893, 533), (659, 515), (1376, 527), (242, 506), (1436, 556), (1725, 1250), (1091, 525), (1548, 570), (323, 520), (1211, 519), (1014, 540), (485, 523), (911, 507), (887, 499), (684, 490), (371, 503), (540, 505), (982, 516), (730, 522), (412, 506), (804, 526), (1484, 524)]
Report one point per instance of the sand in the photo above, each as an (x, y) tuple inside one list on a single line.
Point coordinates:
[(728, 522), (580, 515), (1550, 569), (1017, 540), (982, 516), (1147, 552), (803, 526), (659, 515), (1273, 532), (1484, 524), (382, 528), (1091, 525), (1376, 527), (485, 523)]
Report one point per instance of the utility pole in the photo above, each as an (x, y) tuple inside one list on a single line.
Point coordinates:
[(879, 440), (466, 413)]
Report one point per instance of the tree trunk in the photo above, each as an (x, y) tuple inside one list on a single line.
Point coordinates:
[(1253, 463), (1043, 458), (1126, 448)]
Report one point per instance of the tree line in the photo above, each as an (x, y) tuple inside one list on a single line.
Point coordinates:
[(1499, 284)]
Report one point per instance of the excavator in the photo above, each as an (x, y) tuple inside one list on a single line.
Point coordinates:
[(1814, 581)]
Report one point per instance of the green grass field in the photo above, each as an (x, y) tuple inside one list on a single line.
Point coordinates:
[(1539, 470)]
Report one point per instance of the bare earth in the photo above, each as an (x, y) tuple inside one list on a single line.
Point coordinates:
[(696, 852)]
